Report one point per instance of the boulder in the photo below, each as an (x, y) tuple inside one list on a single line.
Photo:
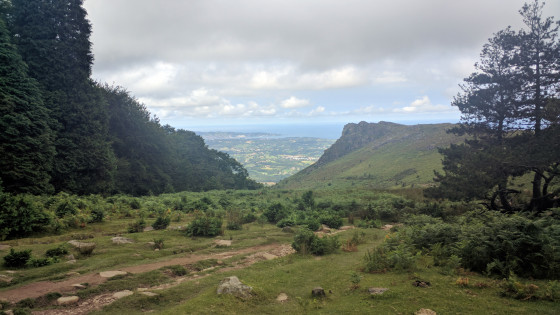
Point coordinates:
[(121, 240), (425, 311), (232, 285), (110, 274), (121, 294), (282, 297), (67, 300), (318, 292)]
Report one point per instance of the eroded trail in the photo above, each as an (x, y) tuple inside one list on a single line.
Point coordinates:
[(37, 289)]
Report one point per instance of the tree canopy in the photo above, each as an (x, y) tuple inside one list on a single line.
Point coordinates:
[(510, 110)]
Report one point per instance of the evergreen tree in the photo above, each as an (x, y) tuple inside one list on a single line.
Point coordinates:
[(26, 141)]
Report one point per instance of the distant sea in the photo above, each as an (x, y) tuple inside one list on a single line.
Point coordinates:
[(313, 130), (324, 131)]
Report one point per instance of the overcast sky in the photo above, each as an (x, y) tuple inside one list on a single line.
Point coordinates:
[(212, 62)]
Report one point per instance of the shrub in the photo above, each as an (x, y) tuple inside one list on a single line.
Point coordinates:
[(21, 216), (97, 214), (248, 218), (234, 225), (57, 251), (137, 226), (158, 243), (276, 212), (286, 222), (17, 259), (331, 220), (205, 226), (40, 262), (376, 260), (305, 241), (161, 223)]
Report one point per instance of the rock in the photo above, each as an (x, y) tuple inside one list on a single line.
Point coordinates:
[(110, 274), (5, 279), (67, 300), (318, 292), (346, 227), (78, 244), (377, 291), (148, 229), (282, 297), (79, 286), (72, 274), (232, 285), (325, 228), (421, 284), (121, 240), (5, 247), (73, 261), (70, 257), (142, 289), (147, 293), (425, 311), (121, 294), (268, 256), (225, 243)]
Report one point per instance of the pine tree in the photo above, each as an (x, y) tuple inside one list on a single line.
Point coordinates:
[(26, 141)]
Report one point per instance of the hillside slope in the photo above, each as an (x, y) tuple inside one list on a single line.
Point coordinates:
[(377, 155)]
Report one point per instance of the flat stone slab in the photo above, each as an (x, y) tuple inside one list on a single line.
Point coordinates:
[(282, 297), (148, 229), (110, 274), (148, 293), (79, 286), (121, 240), (223, 242), (268, 256), (121, 294), (79, 244), (67, 300)]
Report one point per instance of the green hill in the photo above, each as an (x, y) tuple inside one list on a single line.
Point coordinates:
[(377, 155)]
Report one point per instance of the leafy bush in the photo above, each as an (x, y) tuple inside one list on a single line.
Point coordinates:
[(276, 212), (331, 220), (57, 251), (286, 222), (234, 225), (21, 216), (376, 260), (305, 241), (205, 226), (40, 262), (97, 214), (248, 218), (161, 223), (17, 259), (137, 226)]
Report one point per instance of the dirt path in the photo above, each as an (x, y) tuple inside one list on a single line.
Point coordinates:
[(37, 289)]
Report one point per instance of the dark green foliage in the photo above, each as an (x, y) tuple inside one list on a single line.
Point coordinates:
[(161, 223), (331, 220), (57, 251), (97, 214), (137, 226), (248, 218), (286, 222), (205, 226), (177, 270), (21, 216), (40, 262), (17, 259), (26, 140), (276, 212), (306, 242)]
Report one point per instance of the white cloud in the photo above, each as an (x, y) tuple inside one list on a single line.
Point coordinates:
[(423, 105), (294, 102), (388, 77), (317, 111)]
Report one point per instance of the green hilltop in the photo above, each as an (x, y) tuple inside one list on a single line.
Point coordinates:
[(377, 155)]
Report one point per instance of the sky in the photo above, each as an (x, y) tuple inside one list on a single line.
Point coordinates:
[(197, 63)]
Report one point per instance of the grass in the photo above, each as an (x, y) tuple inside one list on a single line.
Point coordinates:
[(296, 275)]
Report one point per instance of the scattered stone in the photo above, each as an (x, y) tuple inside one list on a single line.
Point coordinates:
[(157, 249), (79, 286), (5, 279), (387, 227), (421, 284), (72, 274), (226, 243), (73, 261), (121, 294), (67, 300), (268, 256), (70, 257), (142, 289), (110, 274), (152, 244), (147, 293), (148, 229), (5, 247), (425, 311), (377, 291), (232, 285), (10, 272), (318, 292), (282, 297), (121, 240), (78, 244)]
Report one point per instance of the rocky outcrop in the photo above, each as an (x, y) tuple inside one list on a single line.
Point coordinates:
[(232, 285)]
